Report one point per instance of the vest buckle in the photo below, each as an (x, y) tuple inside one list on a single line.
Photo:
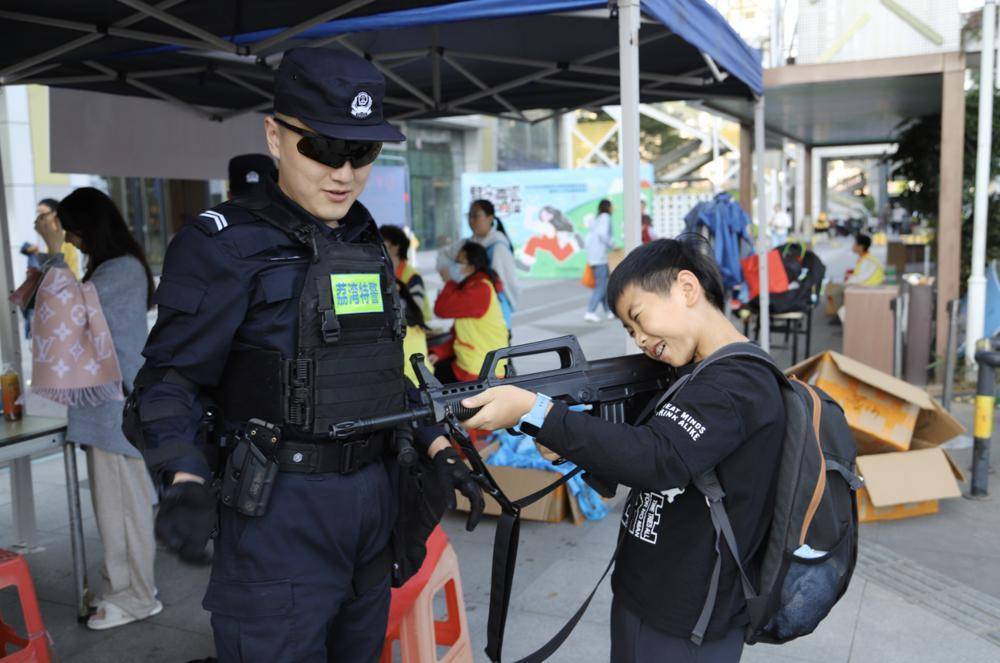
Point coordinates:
[(330, 327)]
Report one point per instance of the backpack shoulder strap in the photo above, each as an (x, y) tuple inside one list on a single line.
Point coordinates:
[(709, 486)]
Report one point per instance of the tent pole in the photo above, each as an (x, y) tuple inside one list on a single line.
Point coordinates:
[(10, 344), (628, 64), (763, 245), (977, 279), (628, 42)]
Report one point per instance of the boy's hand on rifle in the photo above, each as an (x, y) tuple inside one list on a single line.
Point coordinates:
[(502, 407)]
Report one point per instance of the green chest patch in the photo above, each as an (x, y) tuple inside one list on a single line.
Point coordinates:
[(356, 293)]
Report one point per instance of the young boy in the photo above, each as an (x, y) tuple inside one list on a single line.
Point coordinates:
[(668, 294)]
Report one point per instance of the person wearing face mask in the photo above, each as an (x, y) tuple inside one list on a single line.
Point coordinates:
[(488, 231), (470, 297), (282, 308)]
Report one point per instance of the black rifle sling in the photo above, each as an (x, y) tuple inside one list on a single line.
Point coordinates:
[(505, 545)]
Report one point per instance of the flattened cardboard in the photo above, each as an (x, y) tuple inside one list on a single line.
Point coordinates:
[(870, 398), (517, 482), (911, 476)]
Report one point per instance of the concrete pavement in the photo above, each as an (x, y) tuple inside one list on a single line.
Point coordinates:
[(926, 589)]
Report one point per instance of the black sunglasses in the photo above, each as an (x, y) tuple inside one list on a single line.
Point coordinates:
[(334, 152)]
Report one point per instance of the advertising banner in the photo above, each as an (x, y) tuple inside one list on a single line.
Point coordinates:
[(547, 213)]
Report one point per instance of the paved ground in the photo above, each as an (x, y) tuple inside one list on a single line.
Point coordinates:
[(927, 589)]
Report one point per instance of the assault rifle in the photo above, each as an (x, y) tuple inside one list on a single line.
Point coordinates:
[(613, 387), (616, 389)]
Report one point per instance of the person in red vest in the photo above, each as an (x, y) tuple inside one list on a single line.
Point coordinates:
[(470, 297), (647, 225)]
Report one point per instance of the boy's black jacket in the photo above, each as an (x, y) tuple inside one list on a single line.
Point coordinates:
[(732, 418)]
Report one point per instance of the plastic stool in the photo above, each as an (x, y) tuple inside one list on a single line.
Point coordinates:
[(411, 613), (34, 648)]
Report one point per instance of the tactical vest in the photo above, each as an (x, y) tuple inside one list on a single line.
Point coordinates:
[(348, 359)]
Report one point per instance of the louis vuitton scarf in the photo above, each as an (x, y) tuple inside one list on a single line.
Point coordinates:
[(73, 357)]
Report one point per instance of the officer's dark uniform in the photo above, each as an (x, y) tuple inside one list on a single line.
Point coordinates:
[(285, 319)]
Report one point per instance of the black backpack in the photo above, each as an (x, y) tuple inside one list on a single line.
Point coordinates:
[(811, 549)]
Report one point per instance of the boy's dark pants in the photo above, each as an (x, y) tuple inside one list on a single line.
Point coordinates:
[(632, 641)]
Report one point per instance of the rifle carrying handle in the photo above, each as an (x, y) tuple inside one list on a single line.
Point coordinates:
[(567, 347)]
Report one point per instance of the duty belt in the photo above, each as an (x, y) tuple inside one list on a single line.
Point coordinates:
[(341, 457)]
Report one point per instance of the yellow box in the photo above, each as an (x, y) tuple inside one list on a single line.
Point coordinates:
[(869, 513), (884, 413)]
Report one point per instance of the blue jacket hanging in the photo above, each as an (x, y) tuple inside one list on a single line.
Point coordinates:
[(728, 224)]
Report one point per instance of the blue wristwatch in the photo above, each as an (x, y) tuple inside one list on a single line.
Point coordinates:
[(531, 423)]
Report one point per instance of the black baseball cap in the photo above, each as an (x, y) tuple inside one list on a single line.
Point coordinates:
[(247, 172), (335, 93)]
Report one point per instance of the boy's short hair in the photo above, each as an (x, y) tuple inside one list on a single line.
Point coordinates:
[(396, 235), (864, 241), (654, 267)]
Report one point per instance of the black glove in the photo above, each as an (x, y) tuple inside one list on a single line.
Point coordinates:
[(186, 519), (453, 475)]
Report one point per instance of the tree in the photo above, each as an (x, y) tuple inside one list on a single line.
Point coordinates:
[(919, 141)]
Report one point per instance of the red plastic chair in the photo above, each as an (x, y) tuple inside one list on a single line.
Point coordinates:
[(35, 647), (411, 613)]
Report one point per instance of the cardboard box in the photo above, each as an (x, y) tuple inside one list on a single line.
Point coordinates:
[(885, 413), (518, 482), (903, 485), (898, 429)]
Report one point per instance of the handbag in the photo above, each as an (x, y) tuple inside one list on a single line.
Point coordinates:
[(777, 277), (588, 279), (24, 296)]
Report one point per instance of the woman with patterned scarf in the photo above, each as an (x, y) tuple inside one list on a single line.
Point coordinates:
[(86, 350)]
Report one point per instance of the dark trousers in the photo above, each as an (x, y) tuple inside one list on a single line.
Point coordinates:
[(281, 583), (633, 641)]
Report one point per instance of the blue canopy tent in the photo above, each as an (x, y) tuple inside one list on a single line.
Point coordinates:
[(495, 57)]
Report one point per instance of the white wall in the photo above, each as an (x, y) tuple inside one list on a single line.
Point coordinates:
[(135, 137), (882, 34)]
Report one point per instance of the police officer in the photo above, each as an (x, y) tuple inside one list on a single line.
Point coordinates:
[(282, 308), (248, 173)]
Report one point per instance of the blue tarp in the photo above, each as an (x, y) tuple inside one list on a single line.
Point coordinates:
[(520, 451), (704, 28)]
